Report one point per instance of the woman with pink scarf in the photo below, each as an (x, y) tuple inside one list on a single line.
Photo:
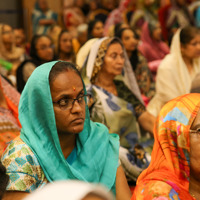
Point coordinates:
[(152, 46)]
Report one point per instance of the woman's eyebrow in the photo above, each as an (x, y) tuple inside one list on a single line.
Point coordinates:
[(80, 92), (68, 96)]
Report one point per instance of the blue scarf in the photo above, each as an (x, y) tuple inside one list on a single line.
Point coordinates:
[(97, 150)]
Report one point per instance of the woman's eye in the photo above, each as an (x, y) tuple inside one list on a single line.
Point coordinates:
[(198, 130), (63, 102)]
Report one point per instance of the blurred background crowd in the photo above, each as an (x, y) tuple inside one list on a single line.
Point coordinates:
[(160, 43)]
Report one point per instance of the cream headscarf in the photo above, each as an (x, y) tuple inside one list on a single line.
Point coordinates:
[(173, 78), (71, 190)]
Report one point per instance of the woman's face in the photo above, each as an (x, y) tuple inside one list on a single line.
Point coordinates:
[(68, 85), (195, 149), (66, 43), (114, 60), (192, 49), (129, 40), (7, 35), (97, 31), (45, 49), (157, 33)]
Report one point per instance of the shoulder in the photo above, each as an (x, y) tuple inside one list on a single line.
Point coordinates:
[(169, 62), (22, 167)]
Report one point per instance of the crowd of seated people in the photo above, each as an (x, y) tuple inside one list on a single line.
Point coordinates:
[(104, 97)]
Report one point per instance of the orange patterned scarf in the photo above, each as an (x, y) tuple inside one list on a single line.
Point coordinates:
[(167, 176)]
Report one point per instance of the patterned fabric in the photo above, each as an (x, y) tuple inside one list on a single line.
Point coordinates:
[(100, 59), (119, 113), (22, 167), (124, 109), (95, 61), (9, 123), (95, 147), (169, 171), (106, 105), (144, 78)]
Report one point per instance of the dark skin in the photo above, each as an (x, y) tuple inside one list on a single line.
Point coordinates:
[(69, 123), (73, 88)]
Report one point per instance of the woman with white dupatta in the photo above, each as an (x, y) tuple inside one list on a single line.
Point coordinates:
[(117, 102), (177, 69)]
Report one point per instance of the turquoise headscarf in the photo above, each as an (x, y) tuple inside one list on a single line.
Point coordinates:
[(97, 150)]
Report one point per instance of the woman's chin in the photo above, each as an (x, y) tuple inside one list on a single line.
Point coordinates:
[(77, 129)]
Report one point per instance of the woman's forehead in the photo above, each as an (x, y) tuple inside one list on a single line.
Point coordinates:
[(67, 80)]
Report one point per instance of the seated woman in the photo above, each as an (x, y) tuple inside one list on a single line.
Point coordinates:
[(152, 46), (138, 62), (9, 123), (95, 29), (9, 52), (41, 51), (177, 69), (116, 98), (65, 47), (174, 171), (58, 141)]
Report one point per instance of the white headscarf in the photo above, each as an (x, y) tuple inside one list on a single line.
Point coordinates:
[(173, 78), (128, 78), (69, 190)]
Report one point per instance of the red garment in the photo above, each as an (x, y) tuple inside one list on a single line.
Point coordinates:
[(9, 122)]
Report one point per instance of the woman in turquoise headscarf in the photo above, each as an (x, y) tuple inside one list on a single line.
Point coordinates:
[(58, 141)]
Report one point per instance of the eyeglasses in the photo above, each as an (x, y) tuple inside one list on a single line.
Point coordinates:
[(66, 104), (197, 131)]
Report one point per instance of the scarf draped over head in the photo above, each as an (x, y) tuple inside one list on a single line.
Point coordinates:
[(150, 48), (173, 78), (97, 151), (12, 55), (95, 62), (170, 159)]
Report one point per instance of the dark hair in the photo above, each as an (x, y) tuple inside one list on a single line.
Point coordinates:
[(4, 178), (120, 32), (134, 59), (117, 27), (188, 33), (62, 66), (72, 54), (152, 25), (91, 25), (116, 40), (33, 50)]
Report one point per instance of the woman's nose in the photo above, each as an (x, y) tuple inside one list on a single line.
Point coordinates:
[(76, 107)]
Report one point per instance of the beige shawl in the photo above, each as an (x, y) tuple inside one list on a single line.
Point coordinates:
[(173, 78)]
